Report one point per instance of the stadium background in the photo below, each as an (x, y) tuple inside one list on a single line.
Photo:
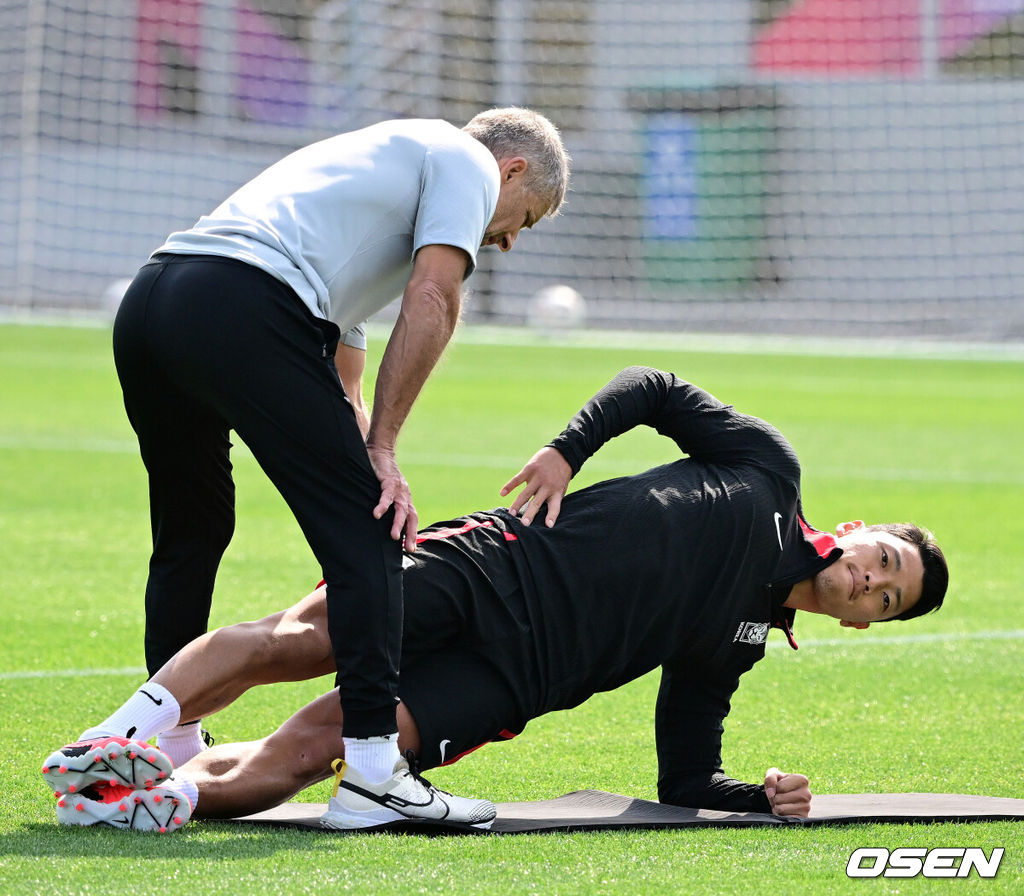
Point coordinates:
[(831, 167)]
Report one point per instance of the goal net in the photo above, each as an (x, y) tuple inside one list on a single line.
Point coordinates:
[(833, 167)]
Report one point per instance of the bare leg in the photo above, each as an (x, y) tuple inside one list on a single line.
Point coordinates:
[(216, 669), (239, 779)]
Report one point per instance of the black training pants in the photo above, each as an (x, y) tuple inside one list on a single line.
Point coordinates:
[(204, 345)]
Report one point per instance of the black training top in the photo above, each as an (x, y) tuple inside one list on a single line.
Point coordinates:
[(684, 566)]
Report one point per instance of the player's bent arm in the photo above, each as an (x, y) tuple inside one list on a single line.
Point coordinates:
[(351, 362), (429, 312), (696, 421), (630, 399), (692, 705)]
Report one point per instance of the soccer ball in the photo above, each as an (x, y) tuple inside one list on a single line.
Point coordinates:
[(556, 308)]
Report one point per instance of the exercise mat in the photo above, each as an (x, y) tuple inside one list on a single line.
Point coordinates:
[(595, 810)]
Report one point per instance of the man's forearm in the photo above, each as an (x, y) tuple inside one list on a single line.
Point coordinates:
[(423, 329), (350, 363)]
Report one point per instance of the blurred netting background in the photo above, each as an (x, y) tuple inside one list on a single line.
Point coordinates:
[(834, 167)]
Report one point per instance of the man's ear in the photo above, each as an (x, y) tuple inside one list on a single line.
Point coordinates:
[(845, 623), (513, 166), (847, 528)]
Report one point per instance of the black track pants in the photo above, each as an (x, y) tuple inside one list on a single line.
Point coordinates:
[(204, 345)]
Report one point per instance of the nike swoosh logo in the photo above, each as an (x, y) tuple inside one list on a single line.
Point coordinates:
[(159, 702), (778, 531), (435, 807), (444, 746)]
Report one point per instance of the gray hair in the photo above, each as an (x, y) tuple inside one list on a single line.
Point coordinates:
[(513, 131)]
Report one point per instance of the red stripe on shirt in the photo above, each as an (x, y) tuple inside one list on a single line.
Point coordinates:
[(504, 734), (822, 542), (451, 531)]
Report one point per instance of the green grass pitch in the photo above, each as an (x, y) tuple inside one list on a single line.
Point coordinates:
[(931, 705)]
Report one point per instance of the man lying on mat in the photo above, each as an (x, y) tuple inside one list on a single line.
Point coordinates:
[(685, 566)]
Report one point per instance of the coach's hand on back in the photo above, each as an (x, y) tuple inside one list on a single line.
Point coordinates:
[(545, 479), (789, 794)]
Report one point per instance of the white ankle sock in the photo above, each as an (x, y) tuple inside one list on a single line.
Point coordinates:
[(182, 743), (150, 710), (186, 787), (373, 757)]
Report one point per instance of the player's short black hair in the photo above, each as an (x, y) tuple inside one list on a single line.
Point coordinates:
[(936, 571)]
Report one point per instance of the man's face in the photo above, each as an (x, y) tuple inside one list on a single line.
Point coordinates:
[(516, 208), (877, 577)]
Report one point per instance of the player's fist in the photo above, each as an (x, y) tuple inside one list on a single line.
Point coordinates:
[(789, 794)]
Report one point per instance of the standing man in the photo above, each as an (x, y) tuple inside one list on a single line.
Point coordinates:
[(252, 321)]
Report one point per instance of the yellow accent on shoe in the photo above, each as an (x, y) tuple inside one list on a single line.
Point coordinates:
[(339, 766)]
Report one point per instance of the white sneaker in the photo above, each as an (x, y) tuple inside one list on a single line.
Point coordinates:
[(158, 809), (404, 796)]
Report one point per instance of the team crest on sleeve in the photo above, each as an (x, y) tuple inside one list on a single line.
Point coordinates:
[(752, 633)]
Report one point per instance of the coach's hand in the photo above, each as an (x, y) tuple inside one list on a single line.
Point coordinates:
[(789, 794), (545, 479), (394, 492)]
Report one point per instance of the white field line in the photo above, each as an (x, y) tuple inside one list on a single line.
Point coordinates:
[(59, 443), (716, 343), (852, 641), (736, 343), (896, 640), (511, 464), (71, 673)]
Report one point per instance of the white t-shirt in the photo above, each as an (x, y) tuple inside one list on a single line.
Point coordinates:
[(340, 221)]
